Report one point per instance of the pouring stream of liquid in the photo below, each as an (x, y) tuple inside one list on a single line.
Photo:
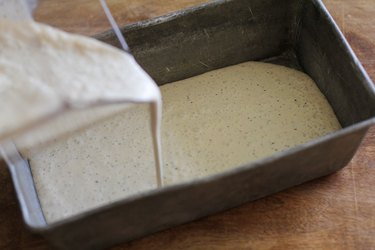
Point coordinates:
[(155, 107)]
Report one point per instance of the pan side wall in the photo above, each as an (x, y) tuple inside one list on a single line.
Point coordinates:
[(324, 54), (211, 36), (151, 213)]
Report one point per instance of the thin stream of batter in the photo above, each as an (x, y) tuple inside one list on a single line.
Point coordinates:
[(156, 116)]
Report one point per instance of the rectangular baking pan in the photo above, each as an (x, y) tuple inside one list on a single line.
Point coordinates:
[(296, 33)]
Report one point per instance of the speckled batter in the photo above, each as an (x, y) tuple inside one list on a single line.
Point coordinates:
[(211, 123)]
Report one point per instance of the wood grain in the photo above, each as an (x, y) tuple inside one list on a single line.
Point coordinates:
[(335, 212), (86, 16)]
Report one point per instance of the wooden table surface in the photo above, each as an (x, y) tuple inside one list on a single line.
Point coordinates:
[(334, 212)]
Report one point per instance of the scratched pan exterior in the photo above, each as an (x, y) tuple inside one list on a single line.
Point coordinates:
[(296, 33)]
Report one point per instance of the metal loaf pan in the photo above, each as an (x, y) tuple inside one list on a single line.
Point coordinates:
[(296, 33)]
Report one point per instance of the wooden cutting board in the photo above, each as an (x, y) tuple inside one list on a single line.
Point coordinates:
[(335, 212)]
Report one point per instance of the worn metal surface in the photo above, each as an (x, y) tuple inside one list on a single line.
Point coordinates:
[(325, 56), (211, 36), (180, 40)]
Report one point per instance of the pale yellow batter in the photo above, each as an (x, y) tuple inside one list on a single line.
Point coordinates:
[(211, 123)]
